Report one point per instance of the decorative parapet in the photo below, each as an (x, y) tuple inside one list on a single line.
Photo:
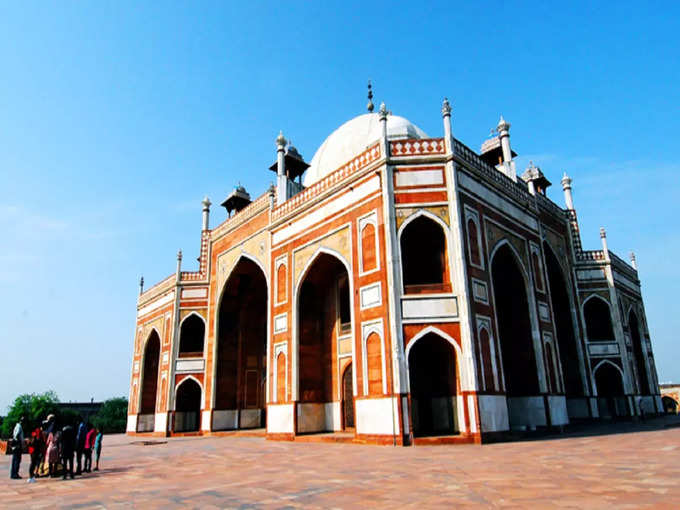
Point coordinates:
[(351, 167), (254, 208), (549, 206), (623, 266), (417, 147), (575, 231), (517, 190), (157, 289), (202, 273), (590, 256)]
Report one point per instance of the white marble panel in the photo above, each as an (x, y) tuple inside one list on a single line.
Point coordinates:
[(225, 419), (429, 307), (194, 293), (558, 410), (493, 413), (371, 295), (280, 418), (189, 365), (281, 323), (419, 177), (375, 416)]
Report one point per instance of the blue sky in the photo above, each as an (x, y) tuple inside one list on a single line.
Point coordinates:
[(116, 118)]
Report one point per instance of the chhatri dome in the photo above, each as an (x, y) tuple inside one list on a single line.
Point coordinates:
[(352, 138)]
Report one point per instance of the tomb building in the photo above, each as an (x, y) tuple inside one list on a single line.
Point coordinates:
[(395, 288)]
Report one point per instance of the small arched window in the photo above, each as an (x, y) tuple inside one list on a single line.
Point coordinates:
[(598, 320), (423, 257), (374, 364), (281, 377), (485, 342), (281, 283), (368, 248), (473, 242), (191, 336)]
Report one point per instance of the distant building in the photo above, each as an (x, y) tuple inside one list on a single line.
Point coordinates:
[(670, 397), (396, 286), (85, 409)]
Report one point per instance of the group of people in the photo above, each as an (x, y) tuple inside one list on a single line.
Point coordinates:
[(52, 449)]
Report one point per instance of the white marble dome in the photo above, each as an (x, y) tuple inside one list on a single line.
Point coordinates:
[(352, 138)]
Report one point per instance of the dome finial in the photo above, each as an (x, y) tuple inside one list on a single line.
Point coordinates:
[(370, 105)]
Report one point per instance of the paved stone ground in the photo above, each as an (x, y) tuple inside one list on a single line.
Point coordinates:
[(621, 466)]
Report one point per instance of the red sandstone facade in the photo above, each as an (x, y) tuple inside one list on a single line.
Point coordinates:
[(416, 289)]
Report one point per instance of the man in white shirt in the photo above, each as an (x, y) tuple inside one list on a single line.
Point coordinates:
[(17, 448)]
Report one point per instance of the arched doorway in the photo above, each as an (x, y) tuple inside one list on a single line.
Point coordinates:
[(640, 364), (241, 349), (515, 335), (611, 400), (324, 319), (147, 411), (188, 406), (564, 326), (423, 257), (191, 336), (432, 369), (347, 398)]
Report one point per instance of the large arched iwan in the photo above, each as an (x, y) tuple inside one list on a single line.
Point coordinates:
[(514, 325), (564, 325), (324, 315), (241, 349)]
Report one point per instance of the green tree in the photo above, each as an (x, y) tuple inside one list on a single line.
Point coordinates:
[(35, 407), (112, 416)]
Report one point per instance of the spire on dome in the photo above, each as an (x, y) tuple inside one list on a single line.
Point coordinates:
[(370, 105)]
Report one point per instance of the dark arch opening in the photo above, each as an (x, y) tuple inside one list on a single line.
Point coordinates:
[(188, 407), (432, 372), (598, 320), (423, 257), (670, 405), (241, 349), (610, 392), (564, 325), (152, 350), (324, 315), (643, 380), (191, 335), (514, 325)]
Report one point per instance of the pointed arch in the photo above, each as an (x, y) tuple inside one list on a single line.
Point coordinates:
[(433, 365), (295, 355), (639, 353), (192, 335), (597, 316), (426, 263), (189, 401), (242, 325)]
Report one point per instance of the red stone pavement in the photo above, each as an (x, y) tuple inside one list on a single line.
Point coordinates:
[(631, 466)]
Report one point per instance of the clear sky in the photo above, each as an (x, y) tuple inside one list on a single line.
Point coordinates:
[(116, 118)]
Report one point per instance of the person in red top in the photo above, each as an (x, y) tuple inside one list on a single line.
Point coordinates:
[(89, 444), (35, 450)]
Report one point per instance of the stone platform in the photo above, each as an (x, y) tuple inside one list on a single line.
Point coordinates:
[(604, 466)]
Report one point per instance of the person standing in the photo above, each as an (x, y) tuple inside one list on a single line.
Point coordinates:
[(89, 445), (98, 447), (52, 452), (80, 445), (68, 444), (35, 450), (17, 448)]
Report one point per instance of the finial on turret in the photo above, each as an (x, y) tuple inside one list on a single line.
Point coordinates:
[(603, 233), (280, 141), (503, 125), (383, 111), (370, 105), (179, 255), (446, 108), (141, 285), (633, 260)]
